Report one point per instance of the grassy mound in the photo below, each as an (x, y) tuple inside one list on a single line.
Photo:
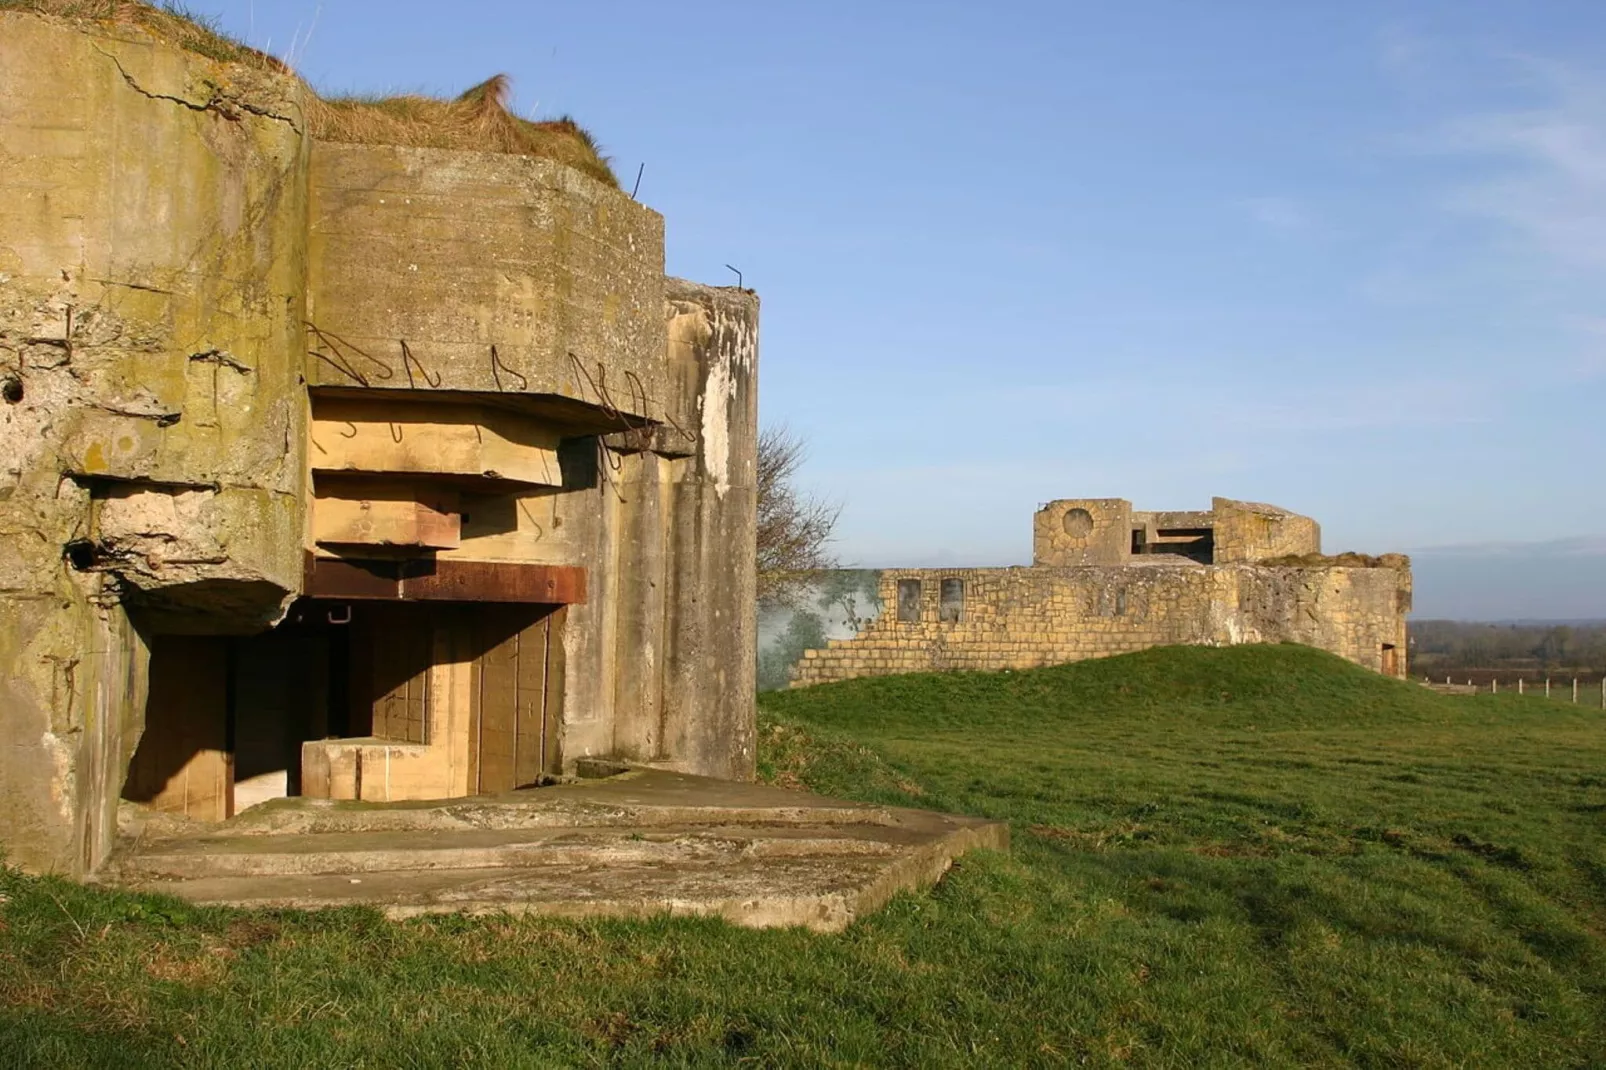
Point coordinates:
[(1252, 856), (479, 120), (1258, 686)]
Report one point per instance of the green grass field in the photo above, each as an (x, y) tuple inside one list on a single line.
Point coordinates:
[(1250, 856)]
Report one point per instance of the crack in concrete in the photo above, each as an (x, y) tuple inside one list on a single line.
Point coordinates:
[(133, 286), (219, 102), (163, 418), (222, 358)]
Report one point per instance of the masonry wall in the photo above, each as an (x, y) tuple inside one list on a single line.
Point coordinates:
[(1018, 618), (1246, 532)]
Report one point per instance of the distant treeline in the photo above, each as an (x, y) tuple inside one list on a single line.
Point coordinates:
[(1440, 647)]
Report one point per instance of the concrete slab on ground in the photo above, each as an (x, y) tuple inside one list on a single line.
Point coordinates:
[(642, 843)]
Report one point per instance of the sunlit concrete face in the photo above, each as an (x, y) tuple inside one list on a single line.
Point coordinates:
[(342, 470)]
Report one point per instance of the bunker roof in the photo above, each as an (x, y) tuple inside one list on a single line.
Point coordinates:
[(479, 120)]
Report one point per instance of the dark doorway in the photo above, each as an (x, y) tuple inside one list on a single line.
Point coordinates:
[(227, 716)]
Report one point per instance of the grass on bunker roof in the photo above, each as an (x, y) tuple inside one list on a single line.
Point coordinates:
[(171, 22), (1257, 855), (481, 119)]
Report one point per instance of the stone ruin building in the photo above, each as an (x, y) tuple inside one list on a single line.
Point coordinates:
[(337, 469), (1106, 579)]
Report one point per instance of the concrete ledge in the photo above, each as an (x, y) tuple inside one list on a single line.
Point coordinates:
[(646, 843)]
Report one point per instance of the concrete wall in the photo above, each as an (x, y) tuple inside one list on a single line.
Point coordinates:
[(167, 233), (152, 251), (711, 634), (661, 659), (1021, 618), (453, 252)]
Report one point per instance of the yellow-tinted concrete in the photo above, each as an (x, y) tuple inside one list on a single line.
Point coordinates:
[(226, 348)]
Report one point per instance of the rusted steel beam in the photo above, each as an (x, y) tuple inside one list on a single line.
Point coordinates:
[(444, 581)]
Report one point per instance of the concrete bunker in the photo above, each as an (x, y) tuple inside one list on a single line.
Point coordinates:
[(375, 471)]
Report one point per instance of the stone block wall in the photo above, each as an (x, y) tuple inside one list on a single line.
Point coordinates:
[(1019, 618), (1246, 532), (1082, 531)]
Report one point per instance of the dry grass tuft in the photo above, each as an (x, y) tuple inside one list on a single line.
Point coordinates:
[(479, 120), (169, 22), (1347, 559)]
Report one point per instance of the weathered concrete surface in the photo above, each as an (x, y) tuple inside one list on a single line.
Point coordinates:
[(473, 348), (151, 253), (710, 673), (1082, 531), (648, 842), (662, 657), (454, 252)]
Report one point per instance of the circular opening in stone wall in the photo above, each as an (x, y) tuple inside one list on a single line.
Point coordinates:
[(1078, 523), (11, 389)]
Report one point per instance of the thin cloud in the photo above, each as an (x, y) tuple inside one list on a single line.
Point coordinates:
[(1548, 186), (1538, 180)]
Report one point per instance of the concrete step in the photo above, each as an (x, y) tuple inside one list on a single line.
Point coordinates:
[(824, 893), (647, 842), (565, 806), (372, 852)]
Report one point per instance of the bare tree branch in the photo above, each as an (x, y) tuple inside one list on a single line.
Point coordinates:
[(793, 529)]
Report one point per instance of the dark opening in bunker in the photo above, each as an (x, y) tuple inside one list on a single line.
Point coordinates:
[(227, 716), (1195, 544)]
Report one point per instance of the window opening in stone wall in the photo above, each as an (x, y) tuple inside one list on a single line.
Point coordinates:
[(951, 601), (908, 601), (1196, 544)]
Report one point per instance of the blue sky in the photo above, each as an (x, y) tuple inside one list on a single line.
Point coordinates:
[(1345, 257)]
